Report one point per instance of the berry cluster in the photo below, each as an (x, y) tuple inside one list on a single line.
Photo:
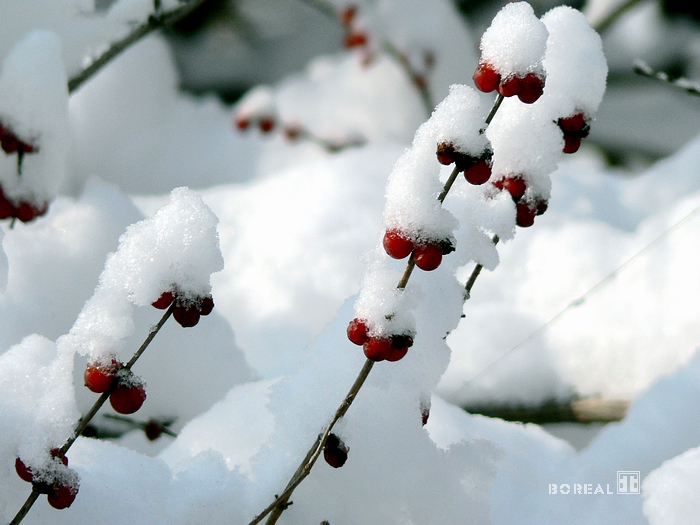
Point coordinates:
[(25, 211), (58, 482), (528, 87), (426, 254), (186, 311), (11, 143), (525, 209), (477, 170), (127, 392), (379, 348), (355, 37), (335, 452), (575, 128)]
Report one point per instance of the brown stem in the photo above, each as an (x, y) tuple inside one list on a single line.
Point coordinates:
[(494, 109), (91, 413), (155, 21), (475, 274)]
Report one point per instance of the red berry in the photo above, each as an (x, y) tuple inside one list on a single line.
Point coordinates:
[(396, 354), (7, 209), (127, 399), (152, 429), (424, 415), (510, 86), (428, 257), (542, 206), (23, 471), (355, 40), (571, 143), (377, 348), (397, 245), (335, 452), (532, 87), (347, 15), (573, 123), (357, 331), (99, 377), (62, 496), (516, 186), (242, 123), (54, 454), (187, 316), (27, 212), (164, 301), (445, 153), (399, 347), (9, 143), (486, 78), (206, 306), (478, 173), (524, 215), (26, 147), (266, 124)]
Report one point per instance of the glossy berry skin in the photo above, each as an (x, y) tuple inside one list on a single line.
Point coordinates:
[(377, 348), (357, 332), (99, 377), (127, 399), (478, 173), (335, 452), (164, 301), (573, 123), (516, 186), (510, 86), (428, 257), (571, 143), (486, 78), (62, 496), (524, 215), (186, 316), (23, 471), (399, 347), (532, 87), (206, 306), (397, 245)]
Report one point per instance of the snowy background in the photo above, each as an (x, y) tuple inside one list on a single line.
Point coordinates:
[(599, 297)]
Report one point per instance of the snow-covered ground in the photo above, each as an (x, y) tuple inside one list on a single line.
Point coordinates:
[(597, 298)]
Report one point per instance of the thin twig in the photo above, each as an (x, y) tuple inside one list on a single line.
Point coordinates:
[(642, 68), (475, 274), (91, 413), (155, 21), (281, 502)]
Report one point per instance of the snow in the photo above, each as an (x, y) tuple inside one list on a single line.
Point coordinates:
[(154, 188)]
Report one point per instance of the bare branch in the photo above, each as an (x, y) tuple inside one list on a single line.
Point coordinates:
[(643, 69)]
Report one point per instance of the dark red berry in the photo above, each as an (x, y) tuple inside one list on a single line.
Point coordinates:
[(486, 78), (9, 143), (62, 496), (27, 212), (23, 471), (427, 257), (532, 87), (571, 143), (573, 123), (26, 147), (516, 186), (542, 206), (266, 124), (99, 376), (397, 245), (152, 429), (187, 316), (347, 15), (478, 173), (355, 40), (207, 305), (335, 452), (164, 301), (7, 209), (377, 348), (127, 399), (445, 153), (54, 454), (510, 86), (357, 331), (524, 215), (424, 415), (242, 123)]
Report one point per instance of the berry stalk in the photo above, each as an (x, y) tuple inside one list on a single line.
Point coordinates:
[(281, 502), (92, 412)]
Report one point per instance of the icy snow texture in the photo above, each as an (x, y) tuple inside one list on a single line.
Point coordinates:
[(34, 105), (176, 249), (514, 43), (575, 64)]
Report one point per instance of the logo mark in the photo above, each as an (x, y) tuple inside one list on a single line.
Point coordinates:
[(628, 482)]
